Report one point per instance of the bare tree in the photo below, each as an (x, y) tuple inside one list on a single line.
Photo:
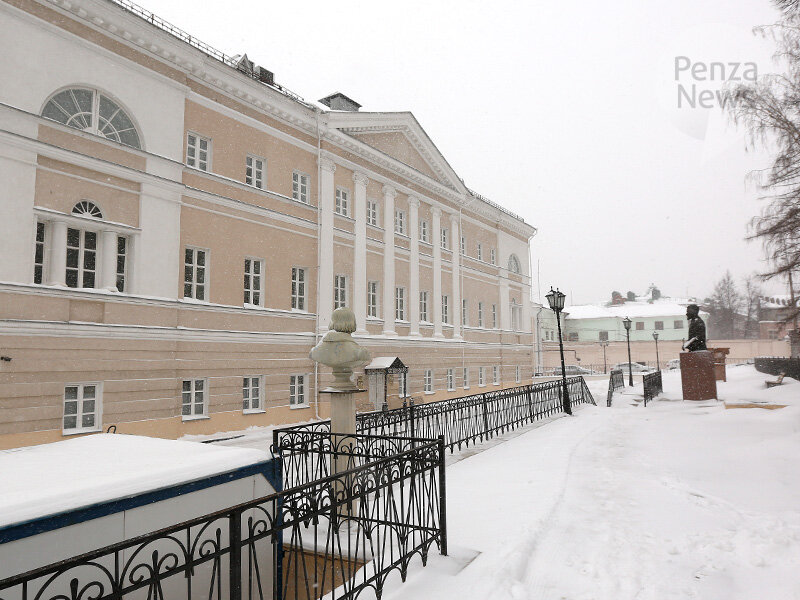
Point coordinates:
[(723, 306), (752, 305)]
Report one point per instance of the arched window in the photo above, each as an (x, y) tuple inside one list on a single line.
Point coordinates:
[(89, 110), (84, 208), (513, 264)]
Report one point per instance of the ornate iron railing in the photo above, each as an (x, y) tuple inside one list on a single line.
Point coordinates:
[(334, 536), (615, 382), (459, 421), (652, 385)]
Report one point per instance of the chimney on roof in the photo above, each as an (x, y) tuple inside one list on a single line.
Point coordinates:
[(339, 101)]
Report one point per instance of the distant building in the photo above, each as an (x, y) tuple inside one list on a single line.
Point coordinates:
[(773, 314)]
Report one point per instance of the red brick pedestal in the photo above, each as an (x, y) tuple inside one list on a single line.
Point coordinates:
[(697, 375)]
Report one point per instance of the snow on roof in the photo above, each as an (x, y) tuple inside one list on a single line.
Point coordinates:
[(382, 362), (628, 309), (776, 301), (39, 481)]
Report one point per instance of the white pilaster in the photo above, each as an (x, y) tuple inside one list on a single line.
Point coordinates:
[(456, 264), (526, 308), (325, 280), (359, 302), (437, 271), (413, 265), (505, 301), (389, 194), (108, 268), (18, 226), (57, 272)]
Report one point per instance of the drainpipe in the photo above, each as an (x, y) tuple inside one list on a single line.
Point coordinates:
[(539, 366), (319, 261)]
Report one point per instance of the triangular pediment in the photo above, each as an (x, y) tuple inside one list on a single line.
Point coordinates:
[(400, 137)]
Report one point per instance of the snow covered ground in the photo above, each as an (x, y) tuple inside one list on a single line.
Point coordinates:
[(679, 500)]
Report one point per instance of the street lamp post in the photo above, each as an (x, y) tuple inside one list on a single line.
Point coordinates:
[(655, 337), (605, 365), (556, 300), (627, 322)]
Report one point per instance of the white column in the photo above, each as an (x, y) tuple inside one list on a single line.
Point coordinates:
[(505, 300), (526, 307), (455, 244), (108, 268), (325, 280), (413, 265), (57, 272), (437, 271), (18, 227), (359, 302), (389, 194)]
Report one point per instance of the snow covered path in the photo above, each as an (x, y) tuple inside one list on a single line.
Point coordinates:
[(676, 500)]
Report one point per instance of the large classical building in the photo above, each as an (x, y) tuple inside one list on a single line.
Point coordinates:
[(178, 228)]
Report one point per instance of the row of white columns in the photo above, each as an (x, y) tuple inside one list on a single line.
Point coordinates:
[(359, 301)]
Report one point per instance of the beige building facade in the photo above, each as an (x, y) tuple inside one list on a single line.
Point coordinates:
[(178, 230)]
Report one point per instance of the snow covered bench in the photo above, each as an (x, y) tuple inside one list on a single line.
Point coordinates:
[(778, 381)]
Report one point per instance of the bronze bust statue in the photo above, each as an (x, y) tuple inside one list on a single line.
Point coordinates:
[(697, 330)]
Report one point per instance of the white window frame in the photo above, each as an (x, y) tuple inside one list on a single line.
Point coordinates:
[(248, 388), (428, 381), (192, 395), (445, 309), (80, 412), (341, 205), (481, 377), (40, 248), (463, 245), (373, 216), (299, 300), (339, 291), (495, 375), (451, 380), (121, 280), (255, 171), (465, 377), (196, 158), (445, 234), (399, 221), (298, 380), (516, 317), (480, 314), (249, 277), (82, 250), (464, 312), (480, 252), (193, 283), (494, 316), (300, 186), (400, 304), (373, 290), (424, 232), (492, 256), (423, 306)]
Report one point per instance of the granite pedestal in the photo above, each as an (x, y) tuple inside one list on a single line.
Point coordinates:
[(697, 375)]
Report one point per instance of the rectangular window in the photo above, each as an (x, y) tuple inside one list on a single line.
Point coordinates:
[(298, 288), (496, 375), (464, 313), (400, 304), (481, 378), (38, 254), (254, 172), (451, 383), (197, 151), (639, 325), (340, 291), (465, 377), (81, 258), (517, 374), (494, 316), (122, 262), (342, 205), (480, 314), (603, 336), (399, 221), (445, 238), (492, 256), (677, 325), (480, 252), (194, 399), (423, 306), (402, 384), (251, 394), (297, 391), (195, 266), (372, 299), (573, 336), (428, 380), (424, 234), (300, 187), (445, 309), (253, 277), (516, 317), (463, 245), (372, 213), (82, 403), (659, 325)]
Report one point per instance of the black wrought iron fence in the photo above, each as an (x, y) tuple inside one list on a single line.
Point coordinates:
[(335, 537), (616, 381), (652, 385)]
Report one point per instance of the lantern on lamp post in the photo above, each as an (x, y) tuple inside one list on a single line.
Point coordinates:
[(627, 322), (556, 301), (655, 337)]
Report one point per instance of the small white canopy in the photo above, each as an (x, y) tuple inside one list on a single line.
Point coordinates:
[(386, 363)]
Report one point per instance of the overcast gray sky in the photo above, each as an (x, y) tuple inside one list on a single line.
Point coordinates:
[(564, 112)]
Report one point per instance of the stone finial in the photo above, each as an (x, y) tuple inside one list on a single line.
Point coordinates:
[(339, 350)]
